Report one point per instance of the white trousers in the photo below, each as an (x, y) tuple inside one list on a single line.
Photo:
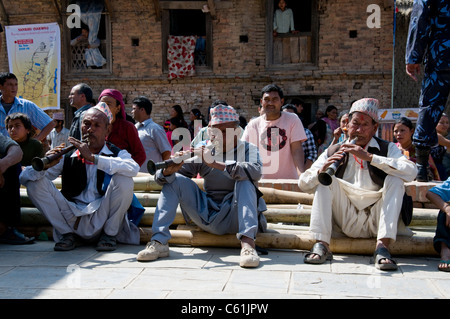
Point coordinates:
[(110, 218), (332, 210)]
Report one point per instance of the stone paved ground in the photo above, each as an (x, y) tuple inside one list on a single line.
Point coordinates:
[(36, 271)]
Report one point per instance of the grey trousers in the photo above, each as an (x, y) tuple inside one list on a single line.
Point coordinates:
[(237, 214), (110, 218)]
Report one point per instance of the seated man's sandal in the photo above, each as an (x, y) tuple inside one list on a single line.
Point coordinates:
[(320, 250)]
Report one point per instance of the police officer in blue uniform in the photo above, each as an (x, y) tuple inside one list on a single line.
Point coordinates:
[(429, 43)]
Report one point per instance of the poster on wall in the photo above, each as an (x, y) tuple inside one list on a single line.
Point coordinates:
[(388, 117), (34, 56), (392, 115)]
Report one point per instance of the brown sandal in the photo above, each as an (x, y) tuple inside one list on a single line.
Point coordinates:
[(67, 242)]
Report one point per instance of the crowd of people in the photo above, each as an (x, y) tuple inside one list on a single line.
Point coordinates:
[(96, 203)]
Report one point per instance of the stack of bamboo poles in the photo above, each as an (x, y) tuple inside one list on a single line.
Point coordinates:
[(288, 216)]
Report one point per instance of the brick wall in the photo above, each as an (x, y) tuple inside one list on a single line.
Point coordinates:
[(239, 69)]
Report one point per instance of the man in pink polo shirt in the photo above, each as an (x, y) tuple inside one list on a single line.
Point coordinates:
[(278, 135)]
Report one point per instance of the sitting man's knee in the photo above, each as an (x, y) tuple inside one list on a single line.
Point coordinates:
[(122, 182), (394, 182), (245, 184)]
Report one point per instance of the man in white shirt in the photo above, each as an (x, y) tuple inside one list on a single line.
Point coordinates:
[(152, 135), (59, 134), (97, 188), (365, 196), (283, 20)]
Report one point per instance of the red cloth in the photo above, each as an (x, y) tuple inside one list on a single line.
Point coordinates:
[(180, 56), (124, 135)]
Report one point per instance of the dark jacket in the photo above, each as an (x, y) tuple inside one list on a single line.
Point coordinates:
[(74, 176), (429, 34), (378, 176)]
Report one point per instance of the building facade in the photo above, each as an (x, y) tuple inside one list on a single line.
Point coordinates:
[(342, 50)]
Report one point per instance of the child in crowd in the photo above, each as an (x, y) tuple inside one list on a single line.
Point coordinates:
[(20, 130)]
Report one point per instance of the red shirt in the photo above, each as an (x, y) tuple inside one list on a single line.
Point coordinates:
[(124, 135)]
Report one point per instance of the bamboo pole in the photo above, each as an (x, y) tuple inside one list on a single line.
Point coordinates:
[(145, 183), (421, 244), (147, 198), (421, 217), (285, 197)]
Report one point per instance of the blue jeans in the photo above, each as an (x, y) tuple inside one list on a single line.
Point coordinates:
[(237, 213)]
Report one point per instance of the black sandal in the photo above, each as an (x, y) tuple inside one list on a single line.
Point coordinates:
[(383, 253), (320, 250), (106, 243), (67, 242)]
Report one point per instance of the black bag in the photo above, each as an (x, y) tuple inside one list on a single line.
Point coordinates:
[(407, 209)]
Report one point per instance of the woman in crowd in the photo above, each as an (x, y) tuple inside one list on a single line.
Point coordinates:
[(174, 139), (341, 133), (123, 134), (177, 112), (323, 129), (331, 117), (403, 132), (196, 115)]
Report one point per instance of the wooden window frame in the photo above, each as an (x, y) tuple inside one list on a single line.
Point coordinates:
[(107, 43), (314, 34), (165, 7)]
